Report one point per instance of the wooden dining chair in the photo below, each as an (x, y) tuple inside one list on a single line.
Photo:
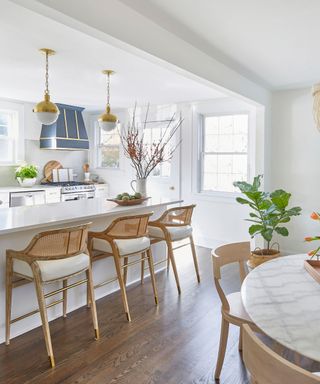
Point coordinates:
[(51, 256), (267, 367), (124, 238), (232, 310), (174, 225)]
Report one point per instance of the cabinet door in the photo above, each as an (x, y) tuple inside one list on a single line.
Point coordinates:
[(102, 190), (53, 195)]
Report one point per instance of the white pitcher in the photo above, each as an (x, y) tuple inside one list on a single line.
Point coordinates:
[(140, 186)]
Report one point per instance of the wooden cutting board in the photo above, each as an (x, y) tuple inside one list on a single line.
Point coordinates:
[(47, 170)]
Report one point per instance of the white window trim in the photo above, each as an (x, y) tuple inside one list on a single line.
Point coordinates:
[(96, 147), (198, 129), (19, 155)]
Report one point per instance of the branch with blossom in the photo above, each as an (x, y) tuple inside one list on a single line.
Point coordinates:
[(145, 157), (314, 252)]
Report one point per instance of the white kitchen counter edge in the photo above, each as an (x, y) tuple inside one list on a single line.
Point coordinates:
[(18, 219)]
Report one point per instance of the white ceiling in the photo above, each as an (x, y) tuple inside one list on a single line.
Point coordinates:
[(75, 72), (274, 42)]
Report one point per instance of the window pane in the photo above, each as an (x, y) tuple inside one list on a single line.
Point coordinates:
[(110, 156), (225, 157), (3, 130)]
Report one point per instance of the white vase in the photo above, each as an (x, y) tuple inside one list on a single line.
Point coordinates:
[(27, 183), (140, 185)]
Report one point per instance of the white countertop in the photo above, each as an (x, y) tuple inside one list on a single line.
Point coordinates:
[(17, 188), (22, 218), (283, 300)]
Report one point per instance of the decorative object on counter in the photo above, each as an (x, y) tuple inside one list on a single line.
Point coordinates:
[(47, 112), (146, 157), (108, 121), (48, 168), (86, 168), (27, 175), (127, 199), (270, 213)]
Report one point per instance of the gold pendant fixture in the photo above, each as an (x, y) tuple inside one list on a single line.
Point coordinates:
[(47, 112), (108, 121)]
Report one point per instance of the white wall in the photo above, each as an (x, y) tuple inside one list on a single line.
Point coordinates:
[(295, 155), (37, 156), (216, 219)]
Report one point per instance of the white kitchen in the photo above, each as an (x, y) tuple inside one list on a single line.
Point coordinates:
[(158, 183)]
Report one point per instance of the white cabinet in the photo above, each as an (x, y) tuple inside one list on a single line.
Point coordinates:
[(53, 195), (4, 200), (102, 190)]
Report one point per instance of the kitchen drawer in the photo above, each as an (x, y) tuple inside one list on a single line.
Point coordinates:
[(102, 190), (53, 195), (4, 197)]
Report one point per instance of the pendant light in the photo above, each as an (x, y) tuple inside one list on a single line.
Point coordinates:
[(47, 112), (108, 121)]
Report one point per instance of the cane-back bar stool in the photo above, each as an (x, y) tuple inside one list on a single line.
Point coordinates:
[(174, 225), (50, 257), (232, 309), (125, 237)]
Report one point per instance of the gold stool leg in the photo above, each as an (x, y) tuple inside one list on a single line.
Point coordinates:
[(44, 316), (93, 303), (153, 280), (142, 267), (195, 261), (9, 274), (122, 285), (65, 297)]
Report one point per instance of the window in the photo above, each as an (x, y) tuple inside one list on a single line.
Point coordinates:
[(108, 149), (9, 136), (224, 152), (152, 134)]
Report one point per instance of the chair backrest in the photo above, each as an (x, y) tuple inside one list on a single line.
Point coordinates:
[(59, 243), (267, 367), (128, 227), (177, 216), (227, 254)]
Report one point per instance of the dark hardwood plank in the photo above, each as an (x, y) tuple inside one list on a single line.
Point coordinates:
[(176, 343)]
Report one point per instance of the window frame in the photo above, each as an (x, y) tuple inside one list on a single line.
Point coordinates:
[(98, 146), (201, 153), (17, 111)]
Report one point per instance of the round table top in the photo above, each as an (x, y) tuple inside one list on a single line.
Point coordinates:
[(283, 300)]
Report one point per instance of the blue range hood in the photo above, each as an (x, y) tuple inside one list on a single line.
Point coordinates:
[(67, 133)]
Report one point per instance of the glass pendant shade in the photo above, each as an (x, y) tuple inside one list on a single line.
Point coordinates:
[(46, 111), (107, 121)]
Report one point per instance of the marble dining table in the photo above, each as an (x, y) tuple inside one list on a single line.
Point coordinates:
[(283, 300)]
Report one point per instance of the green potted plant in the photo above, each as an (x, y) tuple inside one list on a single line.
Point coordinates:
[(27, 175), (270, 214)]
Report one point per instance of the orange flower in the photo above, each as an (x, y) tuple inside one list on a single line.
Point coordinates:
[(308, 238), (315, 216), (311, 253)]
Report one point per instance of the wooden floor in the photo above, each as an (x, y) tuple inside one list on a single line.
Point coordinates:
[(175, 343)]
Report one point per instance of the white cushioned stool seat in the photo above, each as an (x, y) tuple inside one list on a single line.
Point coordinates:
[(176, 233), (125, 246), (54, 269)]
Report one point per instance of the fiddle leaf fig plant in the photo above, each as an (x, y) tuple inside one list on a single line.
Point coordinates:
[(270, 211)]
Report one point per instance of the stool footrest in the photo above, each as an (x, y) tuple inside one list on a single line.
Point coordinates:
[(35, 311)]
